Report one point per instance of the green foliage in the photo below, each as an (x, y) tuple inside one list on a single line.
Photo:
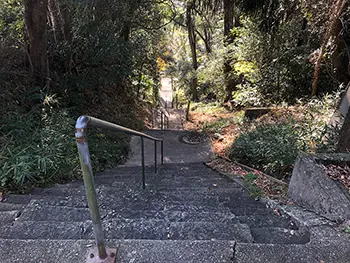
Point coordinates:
[(40, 149), (272, 148), (11, 22), (217, 125), (347, 230), (274, 145), (207, 107), (254, 190), (247, 95)]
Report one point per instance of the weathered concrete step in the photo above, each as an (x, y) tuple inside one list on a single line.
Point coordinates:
[(157, 203), (161, 181), (5, 206), (203, 230), (78, 189), (272, 220), (208, 185), (9, 216), (140, 251), (42, 230), (113, 196), (36, 211), (276, 235), (126, 229), (160, 229), (19, 199), (155, 177), (172, 251)]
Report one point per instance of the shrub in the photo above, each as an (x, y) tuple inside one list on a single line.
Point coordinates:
[(39, 149), (272, 148)]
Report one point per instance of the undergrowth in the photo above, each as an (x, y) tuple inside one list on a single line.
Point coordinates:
[(38, 149), (273, 142)]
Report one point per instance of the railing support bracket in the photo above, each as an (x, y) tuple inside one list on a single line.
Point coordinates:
[(92, 256)]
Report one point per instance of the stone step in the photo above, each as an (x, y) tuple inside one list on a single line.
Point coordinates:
[(19, 199), (203, 230), (118, 202), (39, 211), (140, 251), (9, 216), (113, 196), (276, 235), (172, 251), (126, 229), (159, 181), (5, 206), (77, 189), (269, 220), (42, 230)]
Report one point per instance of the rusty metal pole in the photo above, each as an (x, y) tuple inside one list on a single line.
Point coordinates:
[(86, 169)]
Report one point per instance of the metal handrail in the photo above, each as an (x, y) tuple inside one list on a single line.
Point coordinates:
[(83, 122), (164, 118)]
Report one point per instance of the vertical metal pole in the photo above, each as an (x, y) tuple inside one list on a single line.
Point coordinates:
[(161, 121), (143, 163), (86, 169), (155, 156), (152, 117), (162, 151)]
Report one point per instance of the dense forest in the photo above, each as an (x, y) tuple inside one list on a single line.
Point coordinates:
[(62, 58)]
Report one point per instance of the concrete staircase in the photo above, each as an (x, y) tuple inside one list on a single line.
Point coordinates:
[(188, 213)]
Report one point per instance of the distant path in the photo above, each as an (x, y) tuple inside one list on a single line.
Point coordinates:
[(177, 116), (166, 92)]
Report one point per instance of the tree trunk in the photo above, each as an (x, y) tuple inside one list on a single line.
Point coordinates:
[(193, 46), (207, 41), (188, 110), (228, 39), (331, 31), (61, 24), (35, 21), (126, 30)]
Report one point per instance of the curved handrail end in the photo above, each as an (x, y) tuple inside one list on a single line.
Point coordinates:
[(82, 122)]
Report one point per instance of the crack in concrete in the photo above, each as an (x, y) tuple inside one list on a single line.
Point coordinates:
[(233, 247)]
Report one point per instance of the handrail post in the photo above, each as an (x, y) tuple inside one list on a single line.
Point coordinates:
[(143, 163), (152, 118), (85, 162), (155, 156), (162, 151)]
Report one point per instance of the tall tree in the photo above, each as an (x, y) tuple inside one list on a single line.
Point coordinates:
[(36, 27), (193, 45), (60, 20), (228, 39), (331, 33)]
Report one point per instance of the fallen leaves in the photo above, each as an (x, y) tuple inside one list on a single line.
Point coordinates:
[(270, 188), (339, 173)]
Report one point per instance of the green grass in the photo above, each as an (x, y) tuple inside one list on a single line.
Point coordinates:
[(207, 107), (254, 190)]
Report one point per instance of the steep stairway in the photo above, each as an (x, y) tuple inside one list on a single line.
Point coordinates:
[(187, 213)]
